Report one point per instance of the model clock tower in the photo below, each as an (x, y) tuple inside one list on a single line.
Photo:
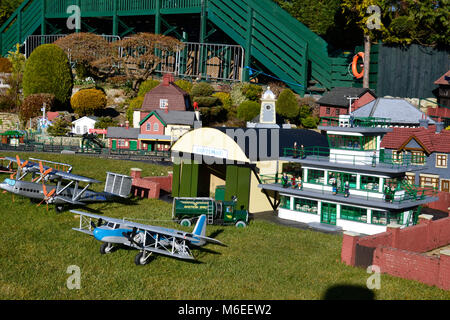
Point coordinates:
[(268, 112)]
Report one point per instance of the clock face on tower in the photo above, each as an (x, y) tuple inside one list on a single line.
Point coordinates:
[(268, 113)]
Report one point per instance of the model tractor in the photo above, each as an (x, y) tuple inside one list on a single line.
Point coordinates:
[(187, 210)]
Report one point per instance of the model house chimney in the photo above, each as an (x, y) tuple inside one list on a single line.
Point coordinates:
[(167, 79)]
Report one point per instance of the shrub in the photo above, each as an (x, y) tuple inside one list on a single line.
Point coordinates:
[(87, 101), (310, 122), (6, 103), (31, 106), (207, 102), (247, 110), (236, 95), (60, 127), (287, 105), (47, 70), (5, 65), (202, 89), (135, 104), (224, 98), (105, 122), (147, 86), (184, 85), (252, 92)]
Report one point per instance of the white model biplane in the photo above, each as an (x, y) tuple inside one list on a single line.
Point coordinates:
[(147, 239), (61, 187)]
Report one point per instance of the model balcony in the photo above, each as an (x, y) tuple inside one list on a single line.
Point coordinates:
[(391, 194), (355, 156), (348, 123)]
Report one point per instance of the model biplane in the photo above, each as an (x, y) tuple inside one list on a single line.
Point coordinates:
[(145, 238), (60, 186)]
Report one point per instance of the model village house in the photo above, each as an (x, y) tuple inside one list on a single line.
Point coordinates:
[(162, 119)]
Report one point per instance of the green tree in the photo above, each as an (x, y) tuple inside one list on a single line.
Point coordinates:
[(247, 110), (60, 127), (47, 70), (287, 105), (7, 8), (105, 122), (317, 15)]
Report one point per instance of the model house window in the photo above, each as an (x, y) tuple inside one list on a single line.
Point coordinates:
[(411, 178), (429, 181), (338, 111), (397, 156), (85, 129), (441, 160), (316, 176), (78, 129), (417, 157), (155, 127), (285, 202), (148, 127), (370, 183), (305, 205), (354, 213), (163, 103), (328, 110)]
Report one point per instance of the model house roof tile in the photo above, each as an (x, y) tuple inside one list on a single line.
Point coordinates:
[(123, 133), (177, 117), (178, 99), (432, 141), (338, 96), (399, 111), (444, 80)]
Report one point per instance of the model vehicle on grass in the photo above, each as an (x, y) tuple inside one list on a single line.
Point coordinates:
[(186, 210), (145, 238), (61, 187)]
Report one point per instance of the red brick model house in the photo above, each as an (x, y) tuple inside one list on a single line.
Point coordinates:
[(166, 95), (123, 138), (336, 102), (159, 129)]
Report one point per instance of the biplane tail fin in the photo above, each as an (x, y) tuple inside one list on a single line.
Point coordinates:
[(200, 230)]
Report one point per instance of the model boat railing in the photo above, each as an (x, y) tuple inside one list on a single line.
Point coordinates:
[(350, 121), (317, 153), (400, 192)]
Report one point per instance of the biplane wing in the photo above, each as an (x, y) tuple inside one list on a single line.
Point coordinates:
[(147, 239)]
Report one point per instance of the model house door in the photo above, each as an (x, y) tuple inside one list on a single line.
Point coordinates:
[(445, 185), (114, 145), (328, 214), (133, 145)]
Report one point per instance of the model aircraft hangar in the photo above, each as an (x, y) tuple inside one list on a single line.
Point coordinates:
[(237, 158)]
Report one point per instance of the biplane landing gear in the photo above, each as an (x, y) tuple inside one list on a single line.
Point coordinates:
[(106, 248), (142, 258)]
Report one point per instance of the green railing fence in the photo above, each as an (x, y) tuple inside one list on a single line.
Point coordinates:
[(318, 153)]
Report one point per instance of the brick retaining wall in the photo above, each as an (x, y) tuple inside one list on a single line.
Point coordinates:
[(400, 252)]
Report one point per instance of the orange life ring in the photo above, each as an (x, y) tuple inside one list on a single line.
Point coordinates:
[(357, 74)]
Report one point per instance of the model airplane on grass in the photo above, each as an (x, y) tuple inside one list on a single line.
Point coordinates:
[(61, 187), (147, 239)]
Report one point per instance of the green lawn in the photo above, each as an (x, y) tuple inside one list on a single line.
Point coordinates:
[(262, 261)]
